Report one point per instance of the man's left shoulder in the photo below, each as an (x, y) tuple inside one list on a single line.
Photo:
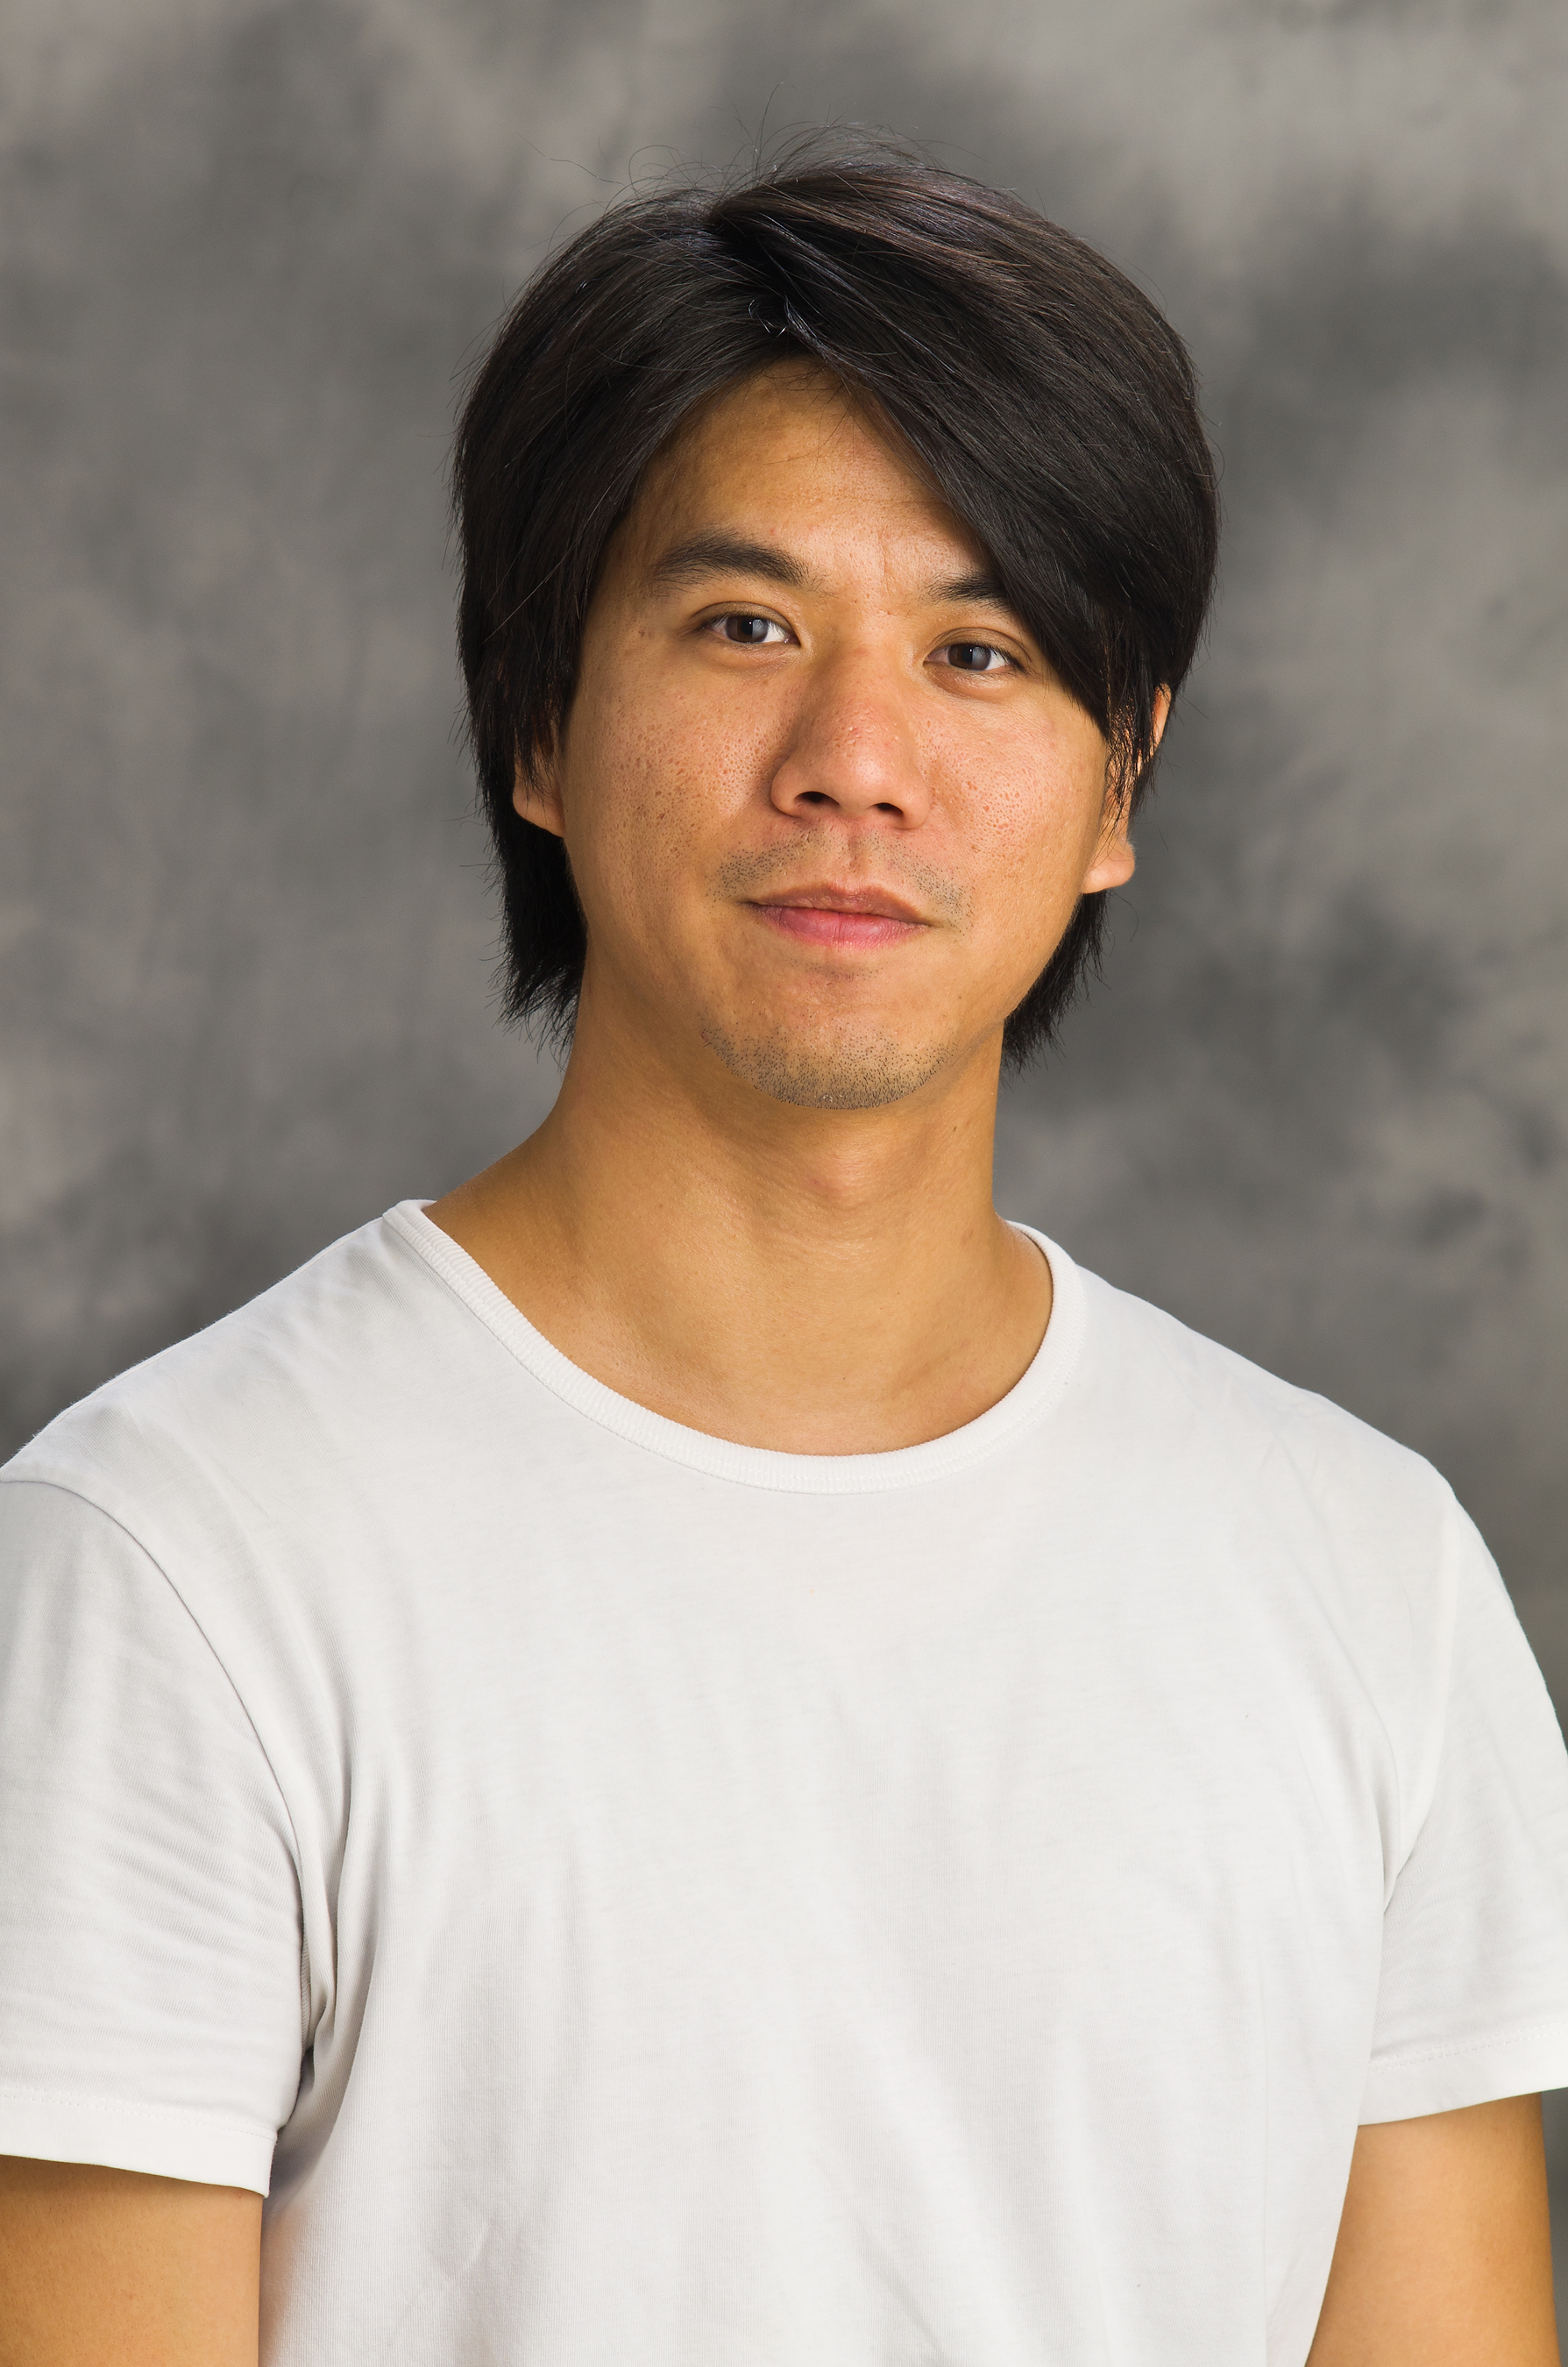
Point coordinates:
[(1206, 1409)]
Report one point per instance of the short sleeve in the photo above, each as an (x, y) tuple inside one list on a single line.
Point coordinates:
[(149, 1928), (1473, 2003)]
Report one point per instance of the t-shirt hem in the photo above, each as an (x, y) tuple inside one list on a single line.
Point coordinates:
[(43, 2125), (1444, 2079)]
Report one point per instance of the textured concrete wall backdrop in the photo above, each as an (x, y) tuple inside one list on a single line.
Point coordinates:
[(1318, 1107)]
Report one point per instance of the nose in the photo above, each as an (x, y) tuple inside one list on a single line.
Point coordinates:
[(853, 750)]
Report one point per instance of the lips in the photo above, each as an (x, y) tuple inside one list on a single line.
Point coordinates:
[(855, 918)]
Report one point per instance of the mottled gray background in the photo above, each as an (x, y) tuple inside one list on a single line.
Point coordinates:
[(1319, 1106)]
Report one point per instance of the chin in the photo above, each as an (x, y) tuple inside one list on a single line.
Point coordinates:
[(866, 1070)]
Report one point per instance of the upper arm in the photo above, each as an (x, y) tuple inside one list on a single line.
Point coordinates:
[(152, 2011), (110, 2265), (1444, 2254)]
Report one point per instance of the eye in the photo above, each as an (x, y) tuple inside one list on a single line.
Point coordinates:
[(976, 657), (749, 632)]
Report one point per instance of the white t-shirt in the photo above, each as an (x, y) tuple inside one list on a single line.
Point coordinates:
[(641, 1898)]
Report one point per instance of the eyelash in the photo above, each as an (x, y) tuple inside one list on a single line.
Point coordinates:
[(1009, 665), (741, 617), (748, 617)]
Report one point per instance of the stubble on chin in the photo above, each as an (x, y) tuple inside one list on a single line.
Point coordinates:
[(861, 1072)]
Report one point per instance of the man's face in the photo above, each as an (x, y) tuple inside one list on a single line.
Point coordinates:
[(828, 809)]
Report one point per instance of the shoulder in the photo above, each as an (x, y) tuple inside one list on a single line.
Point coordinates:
[(1163, 1362), (1211, 1422), (326, 1351), (1287, 1516)]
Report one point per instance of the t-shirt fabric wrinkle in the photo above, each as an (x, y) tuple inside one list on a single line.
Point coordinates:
[(622, 1894)]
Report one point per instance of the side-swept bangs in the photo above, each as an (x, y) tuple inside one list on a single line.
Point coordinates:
[(1050, 401)]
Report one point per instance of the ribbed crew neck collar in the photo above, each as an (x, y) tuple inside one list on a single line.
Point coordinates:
[(1034, 1395)]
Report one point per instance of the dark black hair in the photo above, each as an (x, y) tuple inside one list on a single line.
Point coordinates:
[(1050, 401)]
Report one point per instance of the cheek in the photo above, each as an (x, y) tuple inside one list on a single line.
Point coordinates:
[(648, 781), (1034, 829)]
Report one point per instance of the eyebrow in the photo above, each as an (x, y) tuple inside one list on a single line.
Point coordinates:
[(728, 554), (978, 587), (716, 553)]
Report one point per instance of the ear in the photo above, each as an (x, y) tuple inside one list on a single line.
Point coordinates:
[(1114, 860), (535, 792)]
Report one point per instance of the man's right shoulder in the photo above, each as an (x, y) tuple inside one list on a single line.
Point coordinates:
[(334, 1353)]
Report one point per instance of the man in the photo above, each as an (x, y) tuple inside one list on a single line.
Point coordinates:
[(703, 1753)]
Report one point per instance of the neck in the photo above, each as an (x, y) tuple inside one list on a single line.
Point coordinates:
[(817, 1281)]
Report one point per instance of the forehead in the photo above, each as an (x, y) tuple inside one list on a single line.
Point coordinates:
[(794, 456)]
